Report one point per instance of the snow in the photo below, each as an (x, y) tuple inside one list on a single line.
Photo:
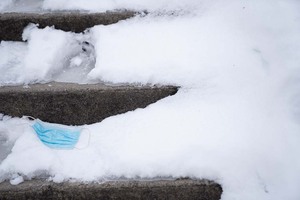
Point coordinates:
[(48, 55), (16, 180), (5, 3), (21, 5), (235, 119), (96, 5)]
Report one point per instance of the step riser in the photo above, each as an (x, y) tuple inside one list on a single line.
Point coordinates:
[(75, 104), (179, 189), (13, 24)]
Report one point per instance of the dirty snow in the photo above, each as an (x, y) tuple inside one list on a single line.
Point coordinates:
[(235, 119)]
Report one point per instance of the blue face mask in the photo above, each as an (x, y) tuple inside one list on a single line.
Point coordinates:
[(55, 135)]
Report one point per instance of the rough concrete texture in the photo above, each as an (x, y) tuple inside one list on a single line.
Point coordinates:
[(12, 24), (161, 189), (76, 104)]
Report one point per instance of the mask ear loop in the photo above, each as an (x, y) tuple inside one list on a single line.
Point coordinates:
[(88, 144), (29, 117), (25, 124)]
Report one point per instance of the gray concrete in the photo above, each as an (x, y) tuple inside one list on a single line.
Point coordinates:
[(76, 104), (163, 189), (12, 24)]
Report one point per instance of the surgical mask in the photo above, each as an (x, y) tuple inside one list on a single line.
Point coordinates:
[(55, 135)]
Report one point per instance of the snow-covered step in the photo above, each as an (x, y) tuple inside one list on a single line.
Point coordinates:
[(161, 189), (12, 24), (76, 104)]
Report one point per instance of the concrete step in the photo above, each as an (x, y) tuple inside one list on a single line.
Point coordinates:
[(185, 189), (12, 24), (76, 104)]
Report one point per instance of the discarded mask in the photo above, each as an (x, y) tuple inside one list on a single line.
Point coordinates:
[(55, 135)]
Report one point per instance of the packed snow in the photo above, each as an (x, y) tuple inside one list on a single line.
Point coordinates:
[(235, 119)]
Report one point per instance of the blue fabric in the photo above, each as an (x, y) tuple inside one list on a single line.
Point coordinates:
[(56, 136)]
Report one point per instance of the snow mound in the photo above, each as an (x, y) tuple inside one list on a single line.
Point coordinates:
[(48, 55)]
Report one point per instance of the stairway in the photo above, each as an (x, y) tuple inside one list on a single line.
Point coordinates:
[(77, 104)]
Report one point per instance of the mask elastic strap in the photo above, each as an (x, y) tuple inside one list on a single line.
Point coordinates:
[(25, 124), (29, 117), (88, 144)]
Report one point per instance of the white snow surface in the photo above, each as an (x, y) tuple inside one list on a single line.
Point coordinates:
[(235, 119), (97, 5)]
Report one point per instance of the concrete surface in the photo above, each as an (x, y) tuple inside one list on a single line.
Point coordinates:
[(75, 104), (185, 189), (12, 24)]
